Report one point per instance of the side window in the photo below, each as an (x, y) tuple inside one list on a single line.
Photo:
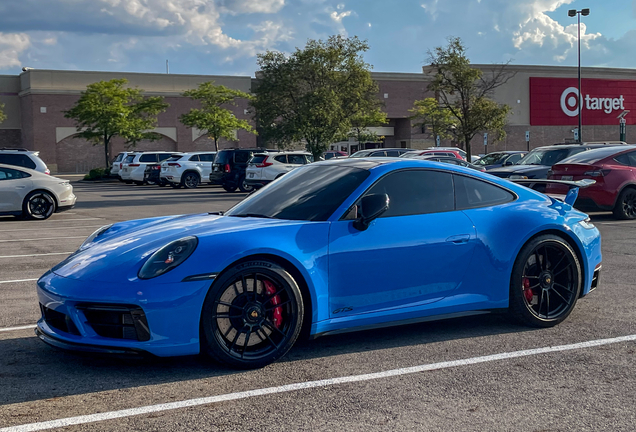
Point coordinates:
[(627, 159), (11, 174), (296, 159), (473, 193), (281, 158), (12, 159), (242, 157), (26, 162), (209, 157), (194, 158), (129, 158), (393, 153), (119, 157), (148, 157), (310, 158), (416, 192), (164, 156)]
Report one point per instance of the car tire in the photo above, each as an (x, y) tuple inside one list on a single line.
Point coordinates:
[(190, 181), (244, 187), (38, 205), (251, 316), (175, 185), (229, 188), (625, 207), (128, 181), (139, 183), (545, 282)]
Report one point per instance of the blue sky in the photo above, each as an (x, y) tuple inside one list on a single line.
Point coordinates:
[(223, 36)]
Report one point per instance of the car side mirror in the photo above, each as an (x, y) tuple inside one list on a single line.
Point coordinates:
[(508, 163), (371, 207)]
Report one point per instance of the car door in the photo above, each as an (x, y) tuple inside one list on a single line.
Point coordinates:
[(417, 252), (14, 186), (205, 165)]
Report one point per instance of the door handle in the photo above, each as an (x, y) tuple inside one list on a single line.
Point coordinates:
[(459, 239)]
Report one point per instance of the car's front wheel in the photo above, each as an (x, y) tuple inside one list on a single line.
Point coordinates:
[(190, 181), (625, 207), (251, 316), (38, 205), (545, 282)]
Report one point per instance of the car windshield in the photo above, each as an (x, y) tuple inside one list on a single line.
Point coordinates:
[(545, 157), (174, 158), (594, 155), (410, 155), (490, 159), (309, 193), (129, 158), (361, 153)]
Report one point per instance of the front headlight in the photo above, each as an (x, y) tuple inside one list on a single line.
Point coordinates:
[(168, 257), (91, 238), (586, 223)]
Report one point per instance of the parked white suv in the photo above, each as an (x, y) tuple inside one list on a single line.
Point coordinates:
[(134, 165), (264, 168), (187, 169), (23, 158), (118, 163)]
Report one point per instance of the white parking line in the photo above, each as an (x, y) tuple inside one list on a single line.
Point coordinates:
[(46, 238), (8, 329), (52, 228), (92, 418), (34, 255), (70, 220), (18, 280)]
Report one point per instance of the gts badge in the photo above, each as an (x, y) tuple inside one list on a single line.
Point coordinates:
[(342, 309)]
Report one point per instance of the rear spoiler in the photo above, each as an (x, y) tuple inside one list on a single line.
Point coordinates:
[(573, 185)]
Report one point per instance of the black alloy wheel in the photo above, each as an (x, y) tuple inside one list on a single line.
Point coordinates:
[(251, 316), (626, 204), (190, 181), (244, 187), (545, 282), (38, 205)]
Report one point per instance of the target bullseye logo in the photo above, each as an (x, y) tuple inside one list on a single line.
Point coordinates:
[(571, 101)]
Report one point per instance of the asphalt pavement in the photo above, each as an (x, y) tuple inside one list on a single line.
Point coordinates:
[(474, 374)]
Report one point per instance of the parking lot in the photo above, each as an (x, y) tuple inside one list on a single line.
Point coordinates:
[(477, 373)]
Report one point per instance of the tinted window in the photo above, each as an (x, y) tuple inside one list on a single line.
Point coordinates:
[(393, 153), (11, 174), (129, 158), (281, 159), (296, 159), (310, 193), (491, 159), (627, 159), (223, 156), (514, 158), (17, 159), (242, 157), (310, 158), (549, 156), (119, 157), (164, 156), (416, 192), (361, 153), (208, 157), (258, 159), (148, 157), (378, 154), (593, 156), (472, 193), (194, 158), (174, 158)]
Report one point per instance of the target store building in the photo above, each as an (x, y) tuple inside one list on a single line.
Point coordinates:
[(545, 102)]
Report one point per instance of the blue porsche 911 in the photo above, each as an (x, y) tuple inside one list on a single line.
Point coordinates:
[(333, 246)]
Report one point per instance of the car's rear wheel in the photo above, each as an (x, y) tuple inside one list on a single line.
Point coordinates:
[(229, 188), (625, 207), (251, 316), (244, 187), (545, 282), (38, 205), (139, 183), (190, 181)]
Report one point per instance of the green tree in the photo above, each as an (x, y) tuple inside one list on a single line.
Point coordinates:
[(214, 119), (108, 109), (465, 92), (313, 94), (3, 116), (361, 122), (428, 112)]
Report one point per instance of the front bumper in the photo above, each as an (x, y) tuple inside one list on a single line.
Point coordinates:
[(160, 319)]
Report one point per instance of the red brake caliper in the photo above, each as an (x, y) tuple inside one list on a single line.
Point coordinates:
[(277, 315), (526, 290)]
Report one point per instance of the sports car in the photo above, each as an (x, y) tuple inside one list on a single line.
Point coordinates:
[(331, 247)]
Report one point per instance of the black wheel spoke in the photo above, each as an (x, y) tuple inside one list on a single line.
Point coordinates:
[(238, 333), (269, 338), (247, 340), (273, 327), (563, 269), (538, 258), (541, 302), (278, 305), (564, 287), (559, 294), (243, 284), (545, 258), (255, 285), (229, 305), (547, 304), (554, 267)]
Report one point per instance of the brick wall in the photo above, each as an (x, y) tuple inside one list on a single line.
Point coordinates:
[(10, 138)]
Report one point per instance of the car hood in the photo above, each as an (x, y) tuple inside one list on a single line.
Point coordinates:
[(532, 171), (122, 249)]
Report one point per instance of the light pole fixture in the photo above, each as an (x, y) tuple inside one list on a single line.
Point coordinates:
[(578, 13)]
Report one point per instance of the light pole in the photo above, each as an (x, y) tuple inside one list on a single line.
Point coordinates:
[(578, 13)]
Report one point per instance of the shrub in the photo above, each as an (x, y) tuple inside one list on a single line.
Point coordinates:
[(97, 174)]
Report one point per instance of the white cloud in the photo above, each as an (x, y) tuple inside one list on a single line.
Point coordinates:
[(11, 46), (252, 6)]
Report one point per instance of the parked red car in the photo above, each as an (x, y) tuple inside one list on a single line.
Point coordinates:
[(439, 152), (613, 168)]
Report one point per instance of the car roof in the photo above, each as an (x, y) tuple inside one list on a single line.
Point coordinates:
[(19, 151)]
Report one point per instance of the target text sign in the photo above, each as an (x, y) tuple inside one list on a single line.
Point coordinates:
[(556, 101)]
